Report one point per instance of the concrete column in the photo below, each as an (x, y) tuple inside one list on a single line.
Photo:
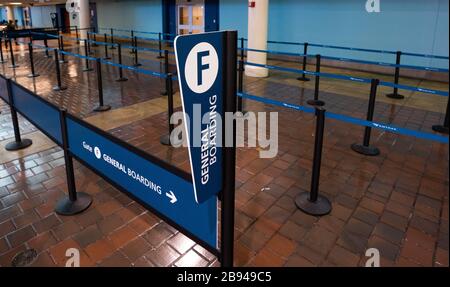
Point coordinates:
[(84, 18), (258, 22), (10, 13)]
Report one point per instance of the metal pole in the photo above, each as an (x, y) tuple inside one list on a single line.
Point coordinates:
[(77, 35), (166, 70), (241, 85), (442, 128), (229, 155), (75, 203), (366, 148), (112, 40), (395, 94), (2, 59), (160, 56), (59, 86), (19, 143), (316, 101), (165, 139), (132, 42), (101, 107), (63, 58), (87, 68), (305, 60), (312, 203), (46, 47), (121, 78), (106, 48), (30, 54), (136, 59), (13, 61)]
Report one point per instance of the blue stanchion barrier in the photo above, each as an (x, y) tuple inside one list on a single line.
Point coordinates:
[(77, 55), (276, 52), (425, 56), (414, 89), (148, 33), (135, 69), (45, 34), (352, 120), (349, 78)]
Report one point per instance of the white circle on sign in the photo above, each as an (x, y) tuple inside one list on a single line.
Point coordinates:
[(202, 67), (98, 153)]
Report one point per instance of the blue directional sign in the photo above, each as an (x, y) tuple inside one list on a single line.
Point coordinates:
[(200, 75), (165, 192)]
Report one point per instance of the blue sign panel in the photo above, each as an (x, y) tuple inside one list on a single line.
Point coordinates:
[(165, 192), (42, 114), (200, 69), (4, 89)]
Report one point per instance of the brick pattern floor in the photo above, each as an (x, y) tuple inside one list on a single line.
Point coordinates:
[(397, 202)]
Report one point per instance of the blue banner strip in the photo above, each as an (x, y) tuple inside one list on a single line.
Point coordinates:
[(418, 89), (352, 120)]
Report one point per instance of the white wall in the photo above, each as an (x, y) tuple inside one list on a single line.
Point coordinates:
[(40, 16)]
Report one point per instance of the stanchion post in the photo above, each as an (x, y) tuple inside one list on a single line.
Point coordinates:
[(136, 57), (240, 88), (165, 139), (229, 156), (63, 57), (87, 67), (101, 107), (18, 143), (132, 42), (121, 77), (58, 86), (113, 47), (46, 47), (2, 59), (395, 94), (166, 70), (75, 202), (304, 62), (316, 101), (366, 148), (87, 43), (160, 56), (11, 51), (106, 47), (30, 54), (311, 202), (77, 35), (442, 128), (95, 39)]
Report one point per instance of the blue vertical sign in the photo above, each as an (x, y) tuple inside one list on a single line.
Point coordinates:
[(200, 75)]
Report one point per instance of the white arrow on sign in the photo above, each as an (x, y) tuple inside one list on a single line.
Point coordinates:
[(172, 197)]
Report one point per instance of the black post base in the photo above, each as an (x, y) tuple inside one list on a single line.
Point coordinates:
[(395, 96), (88, 70), (122, 79), (319, 208), (137, 65), (58, 88), (13, 146), (440, 129), (107, 58), (102, 108), (14, 66), (112, 48), (66, 207), (2, 62), (365, 150), (47, 56), (303, 79), (160, 57), (317, 103), (63, 61), (33, 75), (132, 52), (163, 93), (165, 140)]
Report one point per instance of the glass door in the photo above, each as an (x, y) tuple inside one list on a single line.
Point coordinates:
[(191, 19)]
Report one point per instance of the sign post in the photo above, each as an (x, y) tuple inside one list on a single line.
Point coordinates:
[(206, 66)]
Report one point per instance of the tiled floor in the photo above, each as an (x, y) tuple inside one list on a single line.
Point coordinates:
[(397, 202)]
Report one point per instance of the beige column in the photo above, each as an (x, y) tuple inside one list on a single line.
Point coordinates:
[(84, 18), (258, 22), (10, 13)]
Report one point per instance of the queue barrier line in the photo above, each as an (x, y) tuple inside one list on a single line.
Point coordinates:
[(349, 78), (358, 49), (45, 34), (343, 59), (351, 120)]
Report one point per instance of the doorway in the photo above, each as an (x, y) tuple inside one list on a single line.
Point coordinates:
[(190, 17)]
